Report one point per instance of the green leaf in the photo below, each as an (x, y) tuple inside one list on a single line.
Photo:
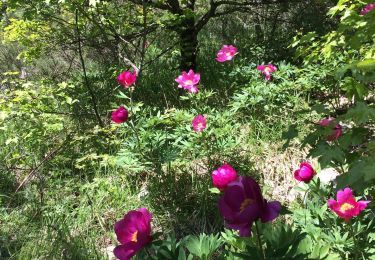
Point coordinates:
[(366, 65), (204, 245), (214, 190), (328, 153), (354, 88), (290, 134), (360, 172), (361, 114), (285, 211), (181, 254)]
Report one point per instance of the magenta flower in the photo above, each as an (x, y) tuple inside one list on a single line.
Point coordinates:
[(188, 81), (367, 8), (199, 123), (243, 203), (227, 52), (346, 205), (336, 128), (120, 115), (267, 70), (305, 172), (224, 175), (127, 78), (133, 232)]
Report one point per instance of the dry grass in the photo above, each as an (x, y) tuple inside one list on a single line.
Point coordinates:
[(277, 167)]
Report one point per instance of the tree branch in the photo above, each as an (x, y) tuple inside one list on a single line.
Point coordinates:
[(46, 158), (87, 83), (175, 6), (235, 7), (155, 4), (207, 16)]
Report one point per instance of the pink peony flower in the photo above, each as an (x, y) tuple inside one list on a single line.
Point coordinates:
[(336, 128), (367, 8), (224, 175), (267, 70), (346, 205), (188, 81), (242, 203), (127, 78), (305, 172), (133, 232), (227, 52), (199, 123), (120, 115)]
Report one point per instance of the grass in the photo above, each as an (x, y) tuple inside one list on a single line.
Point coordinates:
[(69, 208)]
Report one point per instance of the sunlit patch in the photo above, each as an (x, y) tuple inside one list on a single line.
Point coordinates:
[(246, 203)]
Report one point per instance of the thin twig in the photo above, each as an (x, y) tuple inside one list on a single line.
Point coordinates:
[(144, 38), (87, 83), (46, 158)]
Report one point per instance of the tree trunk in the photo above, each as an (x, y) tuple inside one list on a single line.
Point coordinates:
[(259, 36), (188, 45)]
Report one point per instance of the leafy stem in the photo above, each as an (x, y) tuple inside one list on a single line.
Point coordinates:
[(259, 240), (355, 241)]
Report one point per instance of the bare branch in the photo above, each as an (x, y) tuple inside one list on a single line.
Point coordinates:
[(234, 6), (155, 4), (49, 156), (249, 3), (87, 83)]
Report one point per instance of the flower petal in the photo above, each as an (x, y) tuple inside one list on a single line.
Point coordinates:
[(362, 204), (225, 210), (243, 228), (234, 196), (271, 211), (126, 251), (344, 195)]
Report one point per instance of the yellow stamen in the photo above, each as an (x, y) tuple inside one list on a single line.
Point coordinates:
[(346, 206), (245, 203), (134, 236), (189, 82), (267, 69)]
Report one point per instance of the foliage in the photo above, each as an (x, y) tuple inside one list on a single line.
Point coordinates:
[(353, 73), (67, 173)]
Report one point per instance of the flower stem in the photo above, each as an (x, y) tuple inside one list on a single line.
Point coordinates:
[(131, 122), (354, 241), (259, 241), (148, 253)]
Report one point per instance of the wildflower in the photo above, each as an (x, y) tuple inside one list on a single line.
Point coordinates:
[(367, 8), (133, 232), (267, 70), (199, 123), (346, 205), (188, 81), (243, 203), (224, 175), (305, 172), (227, 52), (336, 128), (120, 115), (127, 78)]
